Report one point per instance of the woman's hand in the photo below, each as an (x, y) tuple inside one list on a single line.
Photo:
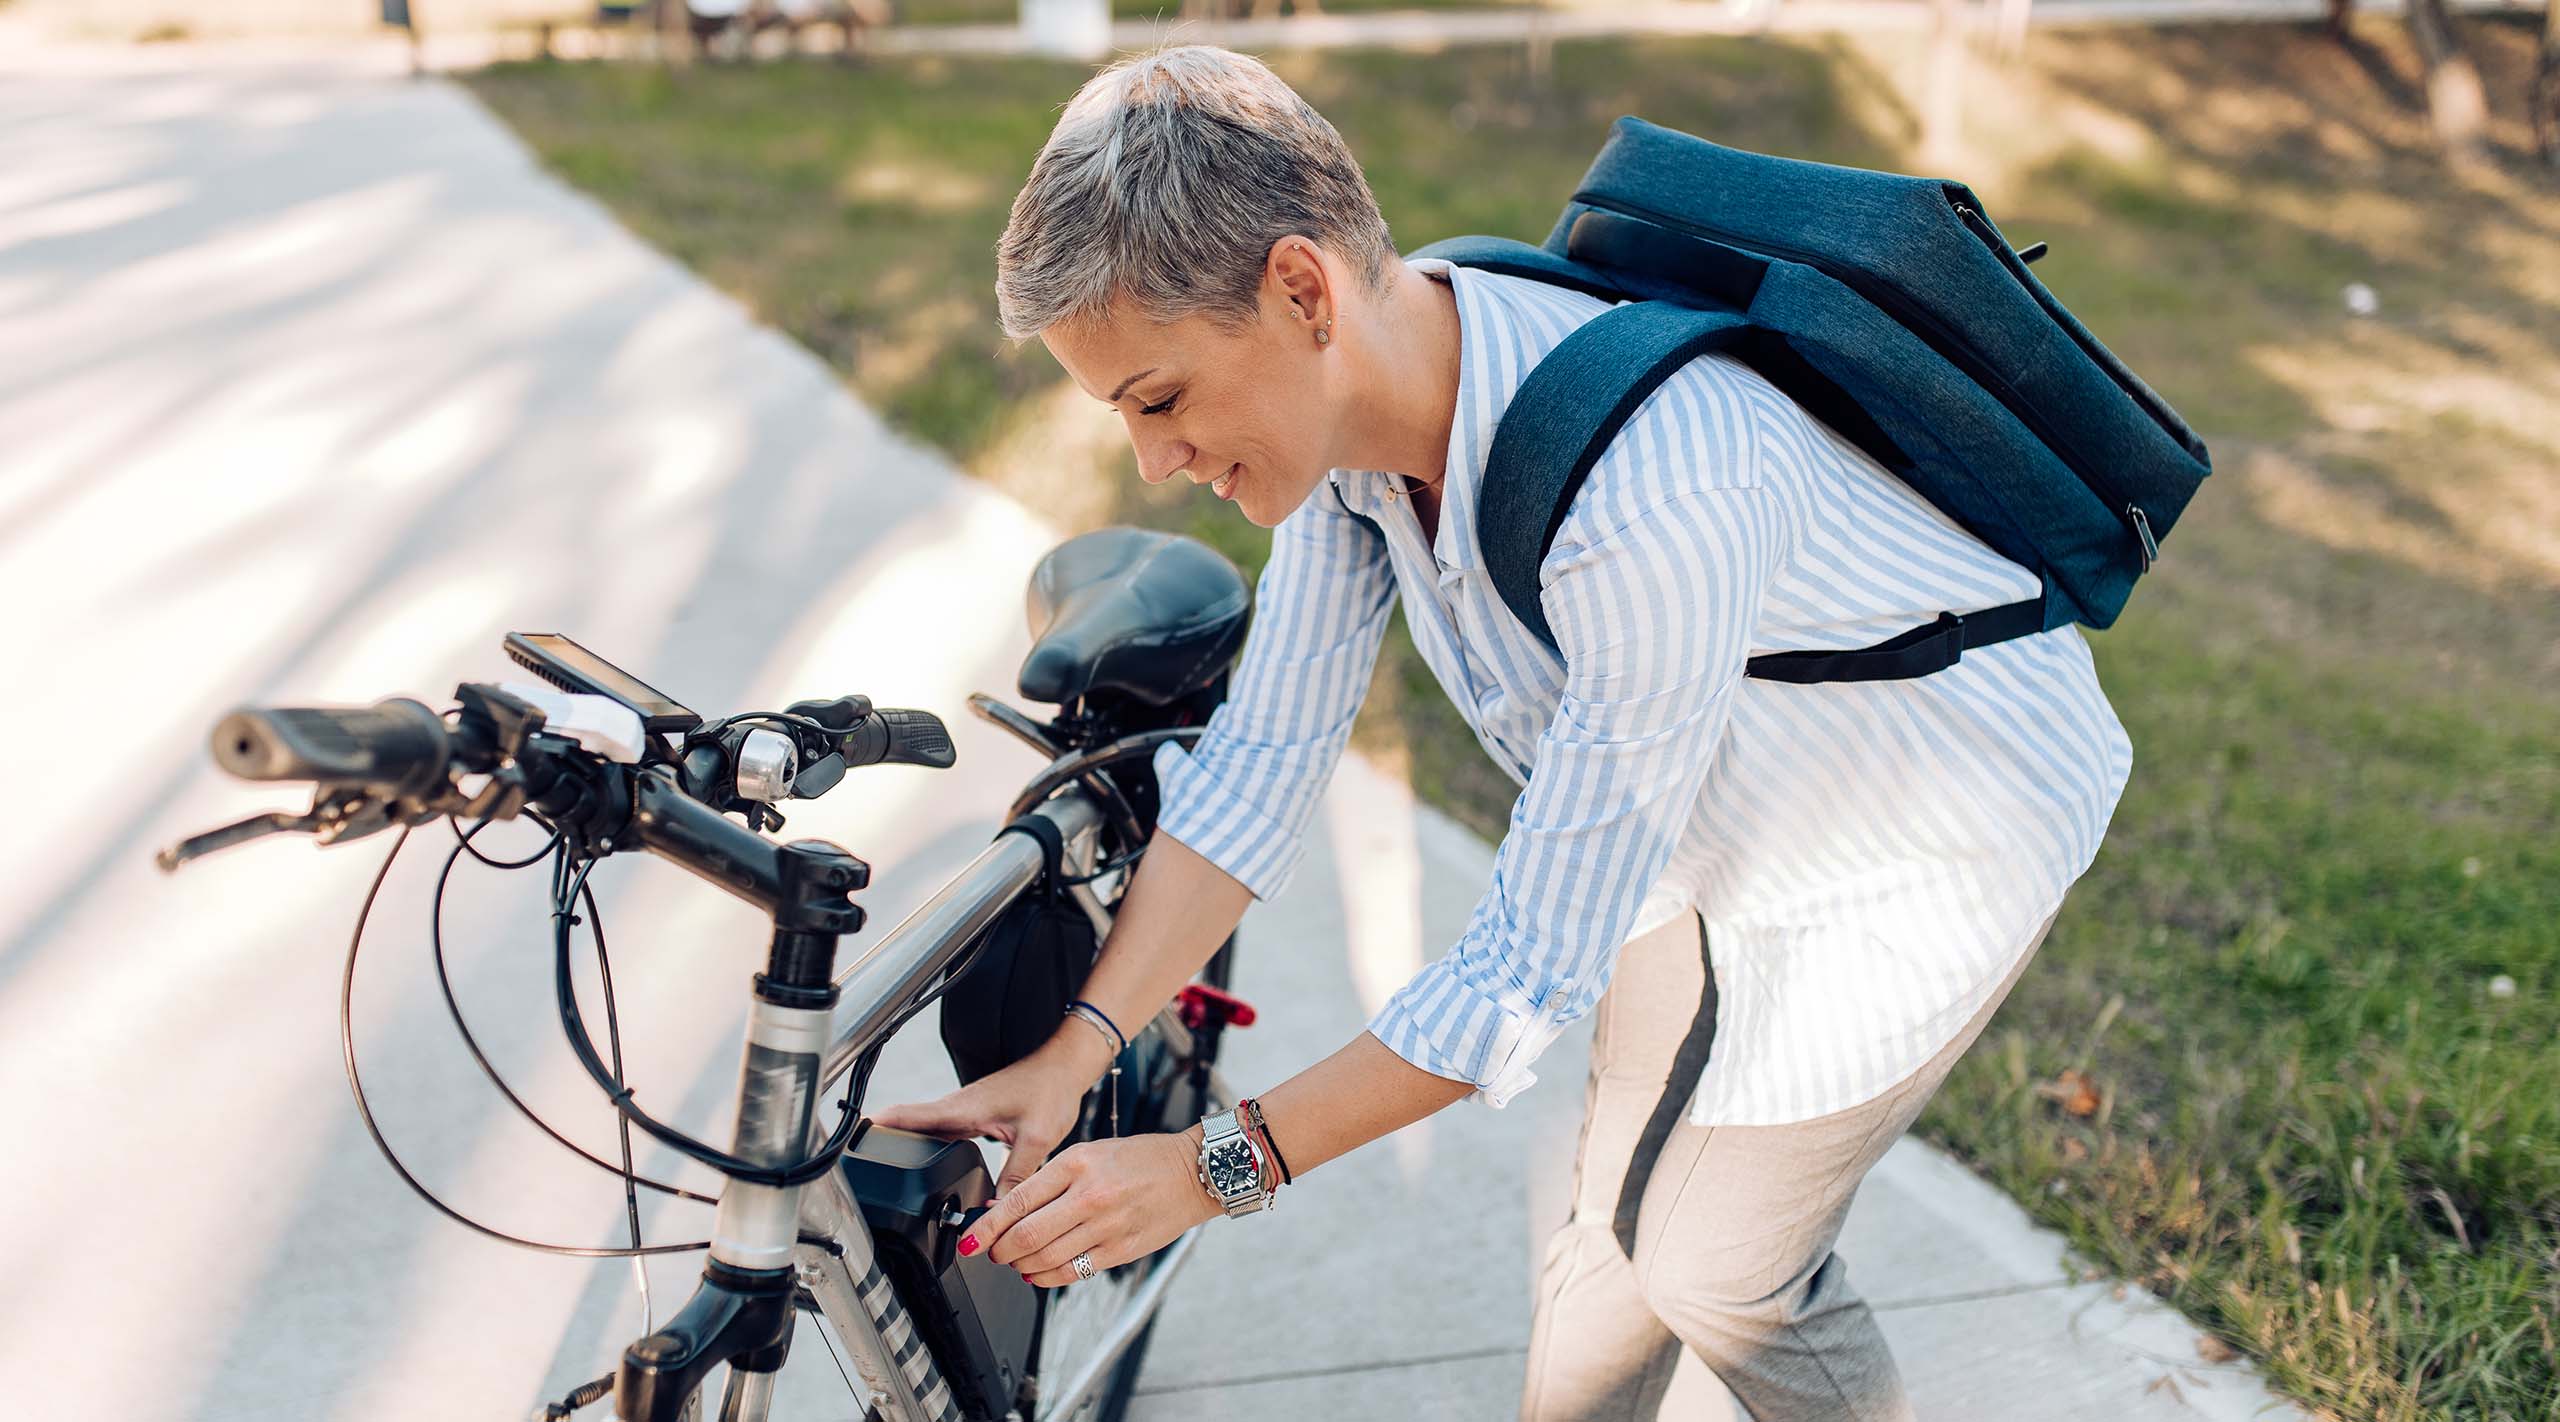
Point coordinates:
[(1030, 1106), (1115, 1200)]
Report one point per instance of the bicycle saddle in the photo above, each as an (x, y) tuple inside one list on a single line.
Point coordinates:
[(1154, 615)]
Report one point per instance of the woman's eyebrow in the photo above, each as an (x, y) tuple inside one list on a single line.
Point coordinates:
[(1124, 385)]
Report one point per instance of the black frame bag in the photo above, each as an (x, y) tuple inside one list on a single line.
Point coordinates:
[(1029, 963)]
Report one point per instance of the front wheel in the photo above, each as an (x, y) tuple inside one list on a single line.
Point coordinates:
[(1157, 1093), (1114, 1403)]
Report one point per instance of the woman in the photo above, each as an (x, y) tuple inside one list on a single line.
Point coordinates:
[(1873, 863)]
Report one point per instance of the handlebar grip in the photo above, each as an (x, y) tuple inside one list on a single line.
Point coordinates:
[(899, 737), (398, 746)]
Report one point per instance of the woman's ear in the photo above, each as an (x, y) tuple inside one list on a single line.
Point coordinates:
[(1298, 273)]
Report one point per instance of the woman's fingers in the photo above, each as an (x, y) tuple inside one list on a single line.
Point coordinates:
[(1053, 1264), (1037, 1231), (1021, 1163), (1036, 1227), (950, 1116), (1011, 1208)]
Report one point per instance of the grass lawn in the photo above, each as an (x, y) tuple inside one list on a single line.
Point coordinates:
[(2311, 981)]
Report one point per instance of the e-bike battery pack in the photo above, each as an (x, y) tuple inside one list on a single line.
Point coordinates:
[(918, 1195)]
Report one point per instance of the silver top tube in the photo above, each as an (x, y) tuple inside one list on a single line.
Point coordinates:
[(877, 986)]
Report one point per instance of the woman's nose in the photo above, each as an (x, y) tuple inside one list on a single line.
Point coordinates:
[(1158, 465)]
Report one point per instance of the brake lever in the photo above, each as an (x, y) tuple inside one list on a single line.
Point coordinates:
[(240, 832), (332, 819), (355, 817)]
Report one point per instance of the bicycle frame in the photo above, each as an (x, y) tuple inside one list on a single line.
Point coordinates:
[(819, 1226)]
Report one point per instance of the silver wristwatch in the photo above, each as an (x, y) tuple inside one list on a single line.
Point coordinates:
[(1231, 1165)]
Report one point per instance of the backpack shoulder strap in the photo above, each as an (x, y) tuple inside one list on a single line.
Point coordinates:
[(1562, 419), (1509, 258)]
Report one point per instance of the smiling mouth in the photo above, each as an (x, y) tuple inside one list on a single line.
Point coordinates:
[(1224, 485)]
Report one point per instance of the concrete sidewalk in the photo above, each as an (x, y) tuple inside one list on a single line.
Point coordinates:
[(312, 386)]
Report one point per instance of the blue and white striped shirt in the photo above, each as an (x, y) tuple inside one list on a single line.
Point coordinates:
[(1870, 858)]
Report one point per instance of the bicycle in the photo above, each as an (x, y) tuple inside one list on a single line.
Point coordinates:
[(1134, 635)]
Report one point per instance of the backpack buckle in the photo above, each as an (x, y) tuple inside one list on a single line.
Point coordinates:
[(1941, 647)]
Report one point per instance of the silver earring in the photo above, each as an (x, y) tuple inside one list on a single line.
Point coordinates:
[(1325, 336)]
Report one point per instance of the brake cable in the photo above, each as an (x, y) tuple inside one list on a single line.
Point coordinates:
[(573, 1023), (453, 1008), (364, 1108), (525, 863), (621, 1124)]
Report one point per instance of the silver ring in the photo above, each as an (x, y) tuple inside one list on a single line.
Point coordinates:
[(1084, 1266)]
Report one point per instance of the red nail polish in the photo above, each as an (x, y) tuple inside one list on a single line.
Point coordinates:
[(968, 1244)]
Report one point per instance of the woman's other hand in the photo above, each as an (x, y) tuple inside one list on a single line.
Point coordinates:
[(1115, 1200), (1030, 1106)]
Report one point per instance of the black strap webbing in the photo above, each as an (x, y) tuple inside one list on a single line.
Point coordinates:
[(1053, 846), (1918, 652)]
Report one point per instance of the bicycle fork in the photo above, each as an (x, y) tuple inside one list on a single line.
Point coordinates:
[(742, 1312)]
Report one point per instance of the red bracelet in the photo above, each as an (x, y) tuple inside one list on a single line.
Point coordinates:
[(1250, 1112)]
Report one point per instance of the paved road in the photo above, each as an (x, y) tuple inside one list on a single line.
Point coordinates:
[(311, 386)]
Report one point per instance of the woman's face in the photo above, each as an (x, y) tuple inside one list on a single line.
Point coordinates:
[(1243, 415)]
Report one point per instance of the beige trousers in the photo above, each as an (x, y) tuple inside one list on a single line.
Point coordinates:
[(1714, 1237)]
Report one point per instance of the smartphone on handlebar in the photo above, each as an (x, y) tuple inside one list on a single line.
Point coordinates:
[(573, 668)]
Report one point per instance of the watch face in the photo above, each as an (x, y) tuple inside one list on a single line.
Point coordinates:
[(1231, 1168)]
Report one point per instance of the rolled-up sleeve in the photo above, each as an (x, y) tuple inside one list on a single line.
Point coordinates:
[(1654, 621), (1242, 796)]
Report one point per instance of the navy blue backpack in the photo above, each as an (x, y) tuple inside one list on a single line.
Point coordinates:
[(1894, 312)]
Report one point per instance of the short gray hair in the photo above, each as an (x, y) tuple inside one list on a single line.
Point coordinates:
[(1167, 180)]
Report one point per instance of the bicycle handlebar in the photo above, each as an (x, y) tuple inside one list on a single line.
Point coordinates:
[(397, 746), (396, 762)]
